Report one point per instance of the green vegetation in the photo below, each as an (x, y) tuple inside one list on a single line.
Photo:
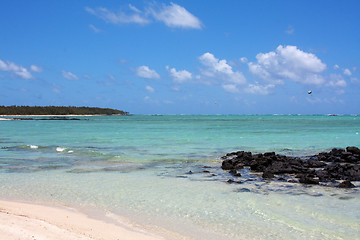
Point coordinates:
[(53, 110)]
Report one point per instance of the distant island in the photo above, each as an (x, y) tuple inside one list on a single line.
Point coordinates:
[(58, 110)]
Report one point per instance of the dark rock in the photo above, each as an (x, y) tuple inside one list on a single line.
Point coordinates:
[(345, 171), (239, 166), (268, 154), (353, 150), (337, 151), (230, 181), (292, 181), (337, 164), (323, 175), (235, 173), (315, 164), (346, 154), (242, 190), (346, 198), (346, 184), (268, 175), (308, 179), (227, 165)]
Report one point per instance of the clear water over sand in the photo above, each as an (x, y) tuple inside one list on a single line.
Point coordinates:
[(138, 167)]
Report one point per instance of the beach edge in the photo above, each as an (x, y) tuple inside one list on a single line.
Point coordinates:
[(20, 220)]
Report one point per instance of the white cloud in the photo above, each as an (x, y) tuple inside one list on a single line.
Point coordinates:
[(69, 75), (288, 63), (336, 66), (174, 15), (336, 80), (146, 72), (260, 89), (16, 69), (219, 69), (134, 8), (150, 89), (347, 72), (95, 29), (118, 17), (35, 68), (180, 76), (244, 60), (231, 88)]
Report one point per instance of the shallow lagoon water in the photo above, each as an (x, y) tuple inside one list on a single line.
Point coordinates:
[(138, 167)]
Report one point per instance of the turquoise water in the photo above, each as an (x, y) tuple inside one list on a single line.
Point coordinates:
[(138, 167)]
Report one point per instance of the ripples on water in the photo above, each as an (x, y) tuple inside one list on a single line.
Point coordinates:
[(165, 170)]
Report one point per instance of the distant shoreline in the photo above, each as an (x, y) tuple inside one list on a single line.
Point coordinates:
[(57, 111)]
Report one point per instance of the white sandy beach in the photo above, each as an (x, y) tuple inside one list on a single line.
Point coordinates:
[(30, 221)]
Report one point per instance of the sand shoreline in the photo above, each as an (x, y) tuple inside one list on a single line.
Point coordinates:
[(32, 221)]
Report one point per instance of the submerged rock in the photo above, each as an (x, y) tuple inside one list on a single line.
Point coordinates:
[(346, 184)]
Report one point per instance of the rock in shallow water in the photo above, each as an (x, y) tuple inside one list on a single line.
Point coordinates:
[(346, 184), (338, 164)]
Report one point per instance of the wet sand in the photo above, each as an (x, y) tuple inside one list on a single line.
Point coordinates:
[(32, 221)]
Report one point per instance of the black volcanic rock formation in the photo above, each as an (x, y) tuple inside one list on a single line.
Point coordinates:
[(338, 164)]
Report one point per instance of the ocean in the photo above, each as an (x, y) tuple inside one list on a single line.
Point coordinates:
[(164, 171)]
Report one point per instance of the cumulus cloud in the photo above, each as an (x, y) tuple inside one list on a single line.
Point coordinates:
[(347, 72), (118, 17), (146, 72), (288, 63), (244, 60), (231, 88), (260, 89), (16, 69), (336, 80), (180, 76), (220, 69), (69, 75), (336, 66), (35, 68), (150, 89), (174, 15)]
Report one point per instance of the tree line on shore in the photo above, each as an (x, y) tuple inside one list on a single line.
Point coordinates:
[(58, 110)]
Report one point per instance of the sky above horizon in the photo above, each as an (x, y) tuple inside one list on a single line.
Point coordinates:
[(183, 57)]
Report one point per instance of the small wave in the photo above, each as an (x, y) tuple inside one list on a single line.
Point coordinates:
[(34, 147), (60, 149)]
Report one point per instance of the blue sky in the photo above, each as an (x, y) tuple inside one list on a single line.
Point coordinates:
[(183, 57)]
